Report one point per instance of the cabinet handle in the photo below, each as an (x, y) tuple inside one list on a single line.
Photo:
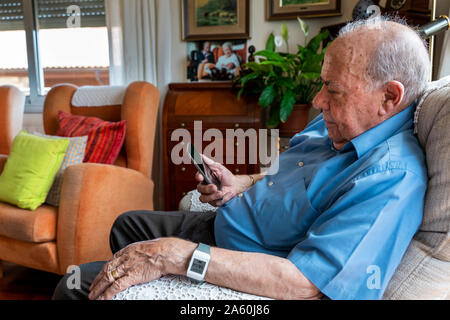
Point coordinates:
[(236, 170), (236, 125), (183, 124), (236, 144), (183, 169), (183, 194)]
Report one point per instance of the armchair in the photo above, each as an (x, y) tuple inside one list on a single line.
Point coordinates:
[(12, 102), (93, 195), (424, 272)]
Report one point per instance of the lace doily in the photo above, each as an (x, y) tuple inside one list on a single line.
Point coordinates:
[(173, 287), (191, 202)]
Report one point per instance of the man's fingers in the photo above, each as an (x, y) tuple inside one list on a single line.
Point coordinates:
[(117, 286), (207, 189), (220, 202), (211, 163), (212, 197), (114, 264), (101, 285), (199, 177)]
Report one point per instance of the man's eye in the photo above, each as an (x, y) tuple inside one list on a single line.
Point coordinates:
[(333, 92)]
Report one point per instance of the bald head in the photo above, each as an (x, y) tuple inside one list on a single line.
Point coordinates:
[(381, 50), (371, 72)]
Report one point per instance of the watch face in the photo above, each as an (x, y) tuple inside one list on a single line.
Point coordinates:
[(198, 266), (397, 4)]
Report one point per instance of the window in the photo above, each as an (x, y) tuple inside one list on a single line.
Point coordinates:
[(51, 42)]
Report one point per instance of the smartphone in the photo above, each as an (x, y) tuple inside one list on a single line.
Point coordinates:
[(208, 175)]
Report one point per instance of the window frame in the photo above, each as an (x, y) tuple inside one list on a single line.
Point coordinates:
[(34, 103)]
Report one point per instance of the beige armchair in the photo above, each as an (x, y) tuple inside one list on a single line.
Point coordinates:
[(424, 272)]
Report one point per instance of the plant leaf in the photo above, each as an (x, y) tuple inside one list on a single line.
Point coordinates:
[(287, 105), (274, 117), (285, 32), (257, 67), (304, 26), (248, 77), (270, 55), (267, 96), (283, 65), (311, 75), (270, 44), (315, 42)]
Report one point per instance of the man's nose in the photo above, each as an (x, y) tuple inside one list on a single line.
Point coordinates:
[(319, 101)]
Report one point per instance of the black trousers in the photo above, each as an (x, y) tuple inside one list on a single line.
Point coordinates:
[(138, 226)]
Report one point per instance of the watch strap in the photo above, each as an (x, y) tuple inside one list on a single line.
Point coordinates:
[(204, 248)]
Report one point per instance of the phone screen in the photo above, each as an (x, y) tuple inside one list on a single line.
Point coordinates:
[(208, 175)]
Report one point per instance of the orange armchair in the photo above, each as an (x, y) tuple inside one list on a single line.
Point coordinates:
[(12, 102), (93, 195)]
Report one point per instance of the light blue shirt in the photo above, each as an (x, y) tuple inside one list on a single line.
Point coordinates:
[(344, 218)]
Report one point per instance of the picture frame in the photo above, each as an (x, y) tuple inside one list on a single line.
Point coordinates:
[(215, 19), (291, 9)]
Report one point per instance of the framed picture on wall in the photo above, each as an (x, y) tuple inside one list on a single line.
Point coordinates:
[(215, 19), (291, 9)]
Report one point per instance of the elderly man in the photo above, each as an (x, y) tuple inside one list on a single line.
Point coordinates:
[(335, 220)]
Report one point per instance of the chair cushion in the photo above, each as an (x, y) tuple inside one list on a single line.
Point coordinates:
[(105, 139), (424, 272), (29, 226), (74, 155), (30, 170)]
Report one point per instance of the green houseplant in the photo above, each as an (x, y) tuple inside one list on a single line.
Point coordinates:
[(282, 80)]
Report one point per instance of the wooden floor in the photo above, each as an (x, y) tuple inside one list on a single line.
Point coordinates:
[(20, 283)]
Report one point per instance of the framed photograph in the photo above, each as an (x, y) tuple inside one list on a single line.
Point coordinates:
[(291, 9), (215, 60), (215, 19)]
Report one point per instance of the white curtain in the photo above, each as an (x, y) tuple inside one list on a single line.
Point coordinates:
[(134, 27), (444, 69), (140, 50)]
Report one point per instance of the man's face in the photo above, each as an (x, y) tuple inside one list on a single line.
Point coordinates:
[(228, 51), (207, 47), (349, 108)]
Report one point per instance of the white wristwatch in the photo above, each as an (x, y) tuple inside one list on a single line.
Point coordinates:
[(199, 263)]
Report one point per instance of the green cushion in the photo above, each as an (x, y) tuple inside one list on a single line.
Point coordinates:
[(30, 169)]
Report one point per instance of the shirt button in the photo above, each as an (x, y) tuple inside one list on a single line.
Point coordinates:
[(240, 195), (301, 164), (270, 183)]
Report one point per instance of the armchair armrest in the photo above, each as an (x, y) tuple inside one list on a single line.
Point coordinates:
[(92, 197), (3, 159)]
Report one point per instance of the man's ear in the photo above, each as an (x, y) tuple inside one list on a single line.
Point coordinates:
[(394, 92)]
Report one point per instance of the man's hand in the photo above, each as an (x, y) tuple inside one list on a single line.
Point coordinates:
[(141, 262), (231, 184), (231, 66)]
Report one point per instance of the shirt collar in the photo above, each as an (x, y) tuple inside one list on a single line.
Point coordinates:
[(373, 137)]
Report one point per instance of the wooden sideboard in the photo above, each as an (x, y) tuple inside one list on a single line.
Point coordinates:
[(215, 104)]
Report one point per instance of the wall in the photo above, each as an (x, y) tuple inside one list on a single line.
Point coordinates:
[(260, 29), (442, 8)]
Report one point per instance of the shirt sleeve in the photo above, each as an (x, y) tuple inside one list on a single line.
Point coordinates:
[(352, 250)]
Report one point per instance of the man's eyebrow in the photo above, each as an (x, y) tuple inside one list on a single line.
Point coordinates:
[(330, 82)]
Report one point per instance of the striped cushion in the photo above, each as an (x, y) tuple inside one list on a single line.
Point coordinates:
[(105, 139), (74, 155)]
